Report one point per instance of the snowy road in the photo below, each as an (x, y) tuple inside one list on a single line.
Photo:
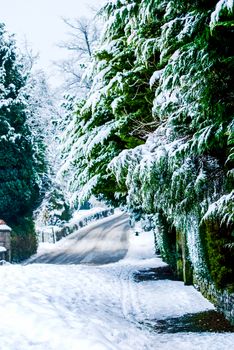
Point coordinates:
[(83, 307), (102, 242)]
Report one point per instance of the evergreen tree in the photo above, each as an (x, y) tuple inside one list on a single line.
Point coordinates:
[(112, 117), (19, 166), (183, 174), (164, 70)]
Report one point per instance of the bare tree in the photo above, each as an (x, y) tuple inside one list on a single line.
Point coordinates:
[(28, 57), (82, 39)]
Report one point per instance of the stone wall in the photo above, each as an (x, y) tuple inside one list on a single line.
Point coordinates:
[(190, 263), (70, 228), (223, 300)]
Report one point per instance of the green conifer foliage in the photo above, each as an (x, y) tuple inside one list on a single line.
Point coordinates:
[(19, 190), (185, 168), (157, 127), (117, 114), (111, 118)]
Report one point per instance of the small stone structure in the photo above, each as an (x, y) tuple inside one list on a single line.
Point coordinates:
[(5, 241)]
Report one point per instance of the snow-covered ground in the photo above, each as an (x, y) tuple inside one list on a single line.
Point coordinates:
[(81, 307)]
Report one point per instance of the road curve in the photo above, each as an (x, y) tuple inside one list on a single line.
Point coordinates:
[(102, 242)]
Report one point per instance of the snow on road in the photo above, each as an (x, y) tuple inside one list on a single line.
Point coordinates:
[(101, 242), (81, 307)]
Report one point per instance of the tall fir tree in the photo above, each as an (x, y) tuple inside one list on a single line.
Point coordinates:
[(19, 165)]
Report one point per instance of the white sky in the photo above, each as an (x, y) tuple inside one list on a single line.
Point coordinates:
[(39, 21)]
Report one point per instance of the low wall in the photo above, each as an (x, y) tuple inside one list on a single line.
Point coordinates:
[(184, 252), (52, 234), (223, 300)]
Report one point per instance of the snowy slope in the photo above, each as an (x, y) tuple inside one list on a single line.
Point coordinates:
[(81, 307)]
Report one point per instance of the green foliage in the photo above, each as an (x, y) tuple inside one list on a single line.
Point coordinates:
[(19, 190), (219, 255), (164, 74), (20, 160), (111, 119), (186, 165)]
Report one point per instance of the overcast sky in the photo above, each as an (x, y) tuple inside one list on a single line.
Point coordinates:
[(39, 21)]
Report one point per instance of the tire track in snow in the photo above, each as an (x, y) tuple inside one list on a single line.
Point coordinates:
[(132, 307), (131, 302)]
